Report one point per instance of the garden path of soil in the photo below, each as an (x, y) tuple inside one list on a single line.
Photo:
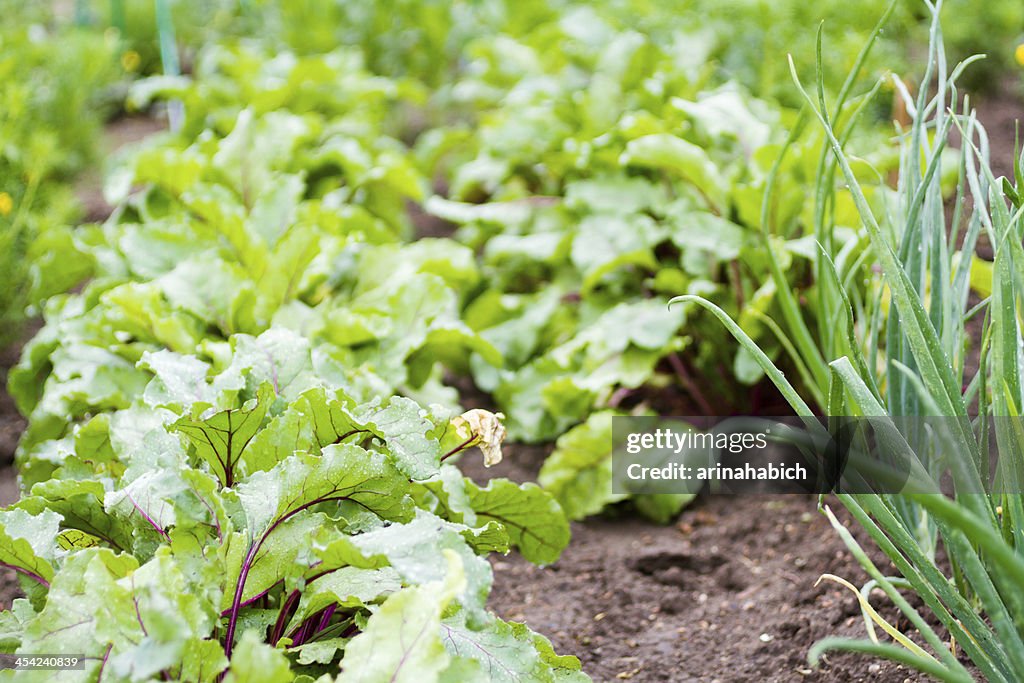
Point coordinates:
[(725, 594)]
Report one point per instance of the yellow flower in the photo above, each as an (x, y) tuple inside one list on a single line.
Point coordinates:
[(483, 429), (130, 60), (1019, 54), (6, 204)]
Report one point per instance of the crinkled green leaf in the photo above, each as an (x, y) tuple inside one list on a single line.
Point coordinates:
[(162, 499), (674, 154), (705, 240), (533, 519), (214, 290), (342, 472), (180, 381), (579, 471), (80, 504), (278, 357), (417, 551), (108, 608), (219, 438), (202, 661), (319, 651), (254, 660), (448, 489), (507, 653), (316, 419), (28, 542), (402, 640), (605, 242), (12, 624), (448, 260), (406, 431)]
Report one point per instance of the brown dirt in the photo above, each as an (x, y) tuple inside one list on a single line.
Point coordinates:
[(725, 594), (12, 424), (999, 111)]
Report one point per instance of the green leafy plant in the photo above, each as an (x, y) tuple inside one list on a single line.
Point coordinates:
[(904, 351), (216, 242), (578, 473), (248, 512), (53, 96), (209, 458), (640, 176), (598, 183)]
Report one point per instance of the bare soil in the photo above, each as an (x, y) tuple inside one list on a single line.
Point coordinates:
[(999, 111), (727, 593), (12, 424)]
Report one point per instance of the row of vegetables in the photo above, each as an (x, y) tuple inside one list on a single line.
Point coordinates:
[(242, 408), (215, 456), (237, 457), (582, 194)]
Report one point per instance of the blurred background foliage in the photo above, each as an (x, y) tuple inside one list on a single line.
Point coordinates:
[(64, 64), (56, 88)]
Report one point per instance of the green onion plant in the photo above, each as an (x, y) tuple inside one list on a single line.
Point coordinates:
[(900, 346)]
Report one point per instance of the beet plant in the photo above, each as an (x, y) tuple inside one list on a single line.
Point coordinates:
[(595, 188), (208, 242), (586, 191), (248, 521), (218, 480)]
